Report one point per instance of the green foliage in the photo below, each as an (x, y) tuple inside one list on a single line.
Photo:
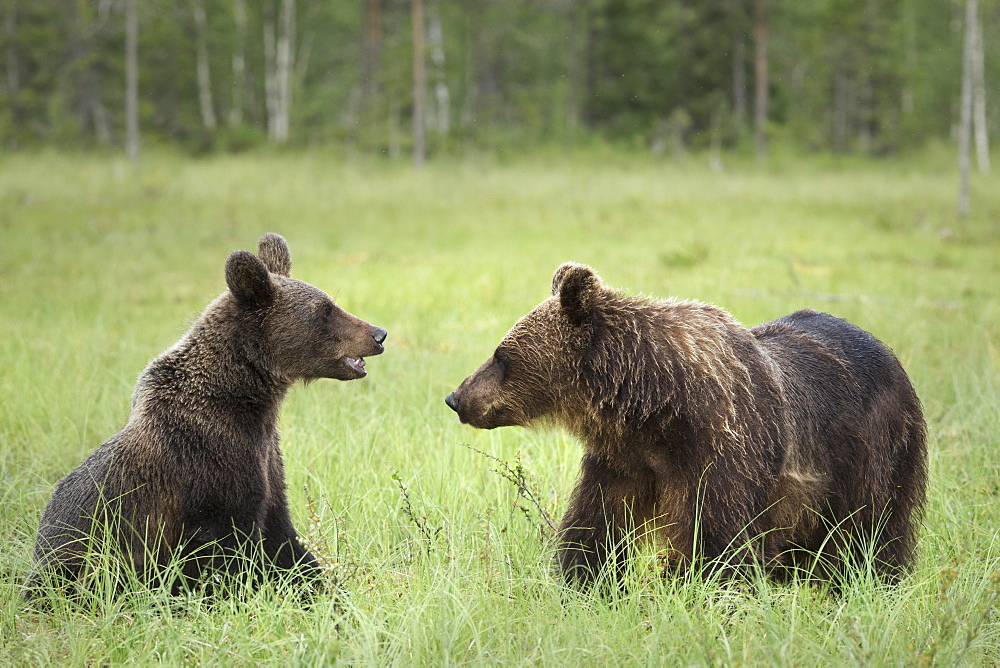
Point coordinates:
[(869, 77), (655, 59), (104, 263)]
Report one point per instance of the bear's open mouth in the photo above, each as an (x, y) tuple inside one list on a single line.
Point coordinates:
[(356, 363)]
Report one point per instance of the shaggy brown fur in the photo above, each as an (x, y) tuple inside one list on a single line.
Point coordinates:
[(799, 443), (197, 468)]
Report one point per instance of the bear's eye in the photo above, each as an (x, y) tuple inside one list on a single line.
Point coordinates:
[(327, 311)]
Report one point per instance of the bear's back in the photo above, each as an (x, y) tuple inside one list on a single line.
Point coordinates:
[(819, 343), (844, 391)]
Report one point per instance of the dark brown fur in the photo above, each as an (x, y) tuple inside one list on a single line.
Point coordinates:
[(198, 469), (797, 439)]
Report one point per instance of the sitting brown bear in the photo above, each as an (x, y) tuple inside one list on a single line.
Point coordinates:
[(197, 470), (798, 444)]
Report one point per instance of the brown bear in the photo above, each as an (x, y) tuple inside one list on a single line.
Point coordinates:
[(196, 472), (797, 445)]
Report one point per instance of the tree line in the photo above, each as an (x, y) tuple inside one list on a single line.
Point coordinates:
[(421, 77)]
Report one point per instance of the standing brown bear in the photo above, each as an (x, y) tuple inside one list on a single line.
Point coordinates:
[(197, 470), (796, 445)]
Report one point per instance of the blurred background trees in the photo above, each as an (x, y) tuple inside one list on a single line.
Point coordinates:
[(849, 76)]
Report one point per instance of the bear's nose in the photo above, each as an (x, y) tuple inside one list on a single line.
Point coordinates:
[(452, 402), (379, 335)]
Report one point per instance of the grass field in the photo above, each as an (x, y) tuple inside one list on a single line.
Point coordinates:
[(104, 264)]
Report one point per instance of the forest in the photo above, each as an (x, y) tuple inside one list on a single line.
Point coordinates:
[(436, 77)]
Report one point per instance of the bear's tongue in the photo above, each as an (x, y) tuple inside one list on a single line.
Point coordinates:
[(356, 363)]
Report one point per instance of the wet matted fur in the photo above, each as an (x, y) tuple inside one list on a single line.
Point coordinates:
[(798, 444), (197, 472)]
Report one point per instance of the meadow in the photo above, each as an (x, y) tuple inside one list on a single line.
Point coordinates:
[(438, 532)]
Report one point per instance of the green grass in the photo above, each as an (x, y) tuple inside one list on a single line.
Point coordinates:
[(104, 264)]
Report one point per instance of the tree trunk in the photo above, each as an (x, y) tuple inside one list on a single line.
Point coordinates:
[(910, 50), (739, 65), (371, 47), (867, 108), (866, 112), (205, 102), (740, 76), (100, 117), (592, 32), (442, 96), (419, 84), (131, 79), (283, 70), (979, 98), (841, 107), (239, 62), (302, 46), (762, 82), (577, 66), (467, 113), (965, 120), (270, 74), (395, 129)]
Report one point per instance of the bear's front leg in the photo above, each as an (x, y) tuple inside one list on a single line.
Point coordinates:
[(222, 545), (598, 528), (727, 523), (282, 547)]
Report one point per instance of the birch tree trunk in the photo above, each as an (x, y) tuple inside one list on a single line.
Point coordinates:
[(965, 119), (739, 74), (371, 48), (131, 80), (979, 98), (577, 67), (239, 62), (910, 57), (740, 77), (283, 70), (270, 75), (205, 103), (442, 96), (762, 81), (866, 112), (99, 114), (360, 112), (841, 95), (419, 84), (302, 45)]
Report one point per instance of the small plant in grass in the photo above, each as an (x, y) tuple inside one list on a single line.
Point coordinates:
[(333, 553), (428, 534), (486, 522), (528, 501)]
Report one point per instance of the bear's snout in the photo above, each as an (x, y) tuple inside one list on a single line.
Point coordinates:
[(452, 401), (379, 335)]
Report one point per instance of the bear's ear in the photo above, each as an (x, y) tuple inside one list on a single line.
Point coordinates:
[(249, 280), (273, 252), (575, 285)]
